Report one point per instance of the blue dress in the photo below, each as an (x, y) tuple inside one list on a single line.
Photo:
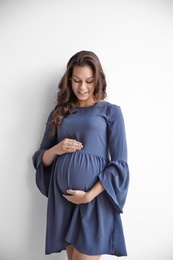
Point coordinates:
[(94, 228)]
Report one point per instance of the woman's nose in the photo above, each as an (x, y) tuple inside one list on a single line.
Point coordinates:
[(83, 85)]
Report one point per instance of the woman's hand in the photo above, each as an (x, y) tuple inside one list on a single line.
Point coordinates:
[(81, 197), (77, 196), (65, 146)]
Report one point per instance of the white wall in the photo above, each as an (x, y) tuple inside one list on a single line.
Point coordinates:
[(134, 41)]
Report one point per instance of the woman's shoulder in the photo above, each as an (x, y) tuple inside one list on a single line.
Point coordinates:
[(112, 111), (110, 104), (110, 107)]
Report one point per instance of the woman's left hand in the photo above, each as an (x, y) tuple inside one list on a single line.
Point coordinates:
[(77, 196)]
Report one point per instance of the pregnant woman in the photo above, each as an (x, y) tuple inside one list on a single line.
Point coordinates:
[(81, 165)]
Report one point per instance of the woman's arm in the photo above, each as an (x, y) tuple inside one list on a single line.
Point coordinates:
[(80, 197), (65, 146)]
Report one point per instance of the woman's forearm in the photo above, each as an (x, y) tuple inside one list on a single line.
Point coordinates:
[(95, 190), (48, 156)]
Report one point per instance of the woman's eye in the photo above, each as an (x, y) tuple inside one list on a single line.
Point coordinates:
[(89, 82), (77, 81)]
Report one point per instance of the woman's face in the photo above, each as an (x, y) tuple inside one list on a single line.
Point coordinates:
[(83, 85)]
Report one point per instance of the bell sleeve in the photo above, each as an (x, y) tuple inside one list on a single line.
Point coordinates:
[(43, 173), (115, 177)]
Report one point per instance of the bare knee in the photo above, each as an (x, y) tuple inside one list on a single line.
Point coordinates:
[(79, 256), (69, 250)]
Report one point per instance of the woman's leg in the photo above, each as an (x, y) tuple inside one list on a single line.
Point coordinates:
[(69, 250), (76, 255)]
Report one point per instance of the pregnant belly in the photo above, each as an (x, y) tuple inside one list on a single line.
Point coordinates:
[(78, 171)]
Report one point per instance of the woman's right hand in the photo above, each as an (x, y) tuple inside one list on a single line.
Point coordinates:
[(65, 146)]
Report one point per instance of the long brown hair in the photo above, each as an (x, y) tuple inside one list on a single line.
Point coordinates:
[(66, 100)]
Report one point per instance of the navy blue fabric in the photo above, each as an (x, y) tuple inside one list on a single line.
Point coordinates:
[(94, 228)]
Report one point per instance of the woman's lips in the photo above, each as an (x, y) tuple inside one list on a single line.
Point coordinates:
[(82, 92)]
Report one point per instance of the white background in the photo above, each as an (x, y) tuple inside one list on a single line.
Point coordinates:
[(134, 41)]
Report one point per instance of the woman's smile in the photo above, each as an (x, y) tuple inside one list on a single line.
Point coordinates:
[(82, 92)]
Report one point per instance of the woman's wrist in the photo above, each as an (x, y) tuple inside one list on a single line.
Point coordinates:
[(53, 150), (94, 191), (49, 156), (89, 196)]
